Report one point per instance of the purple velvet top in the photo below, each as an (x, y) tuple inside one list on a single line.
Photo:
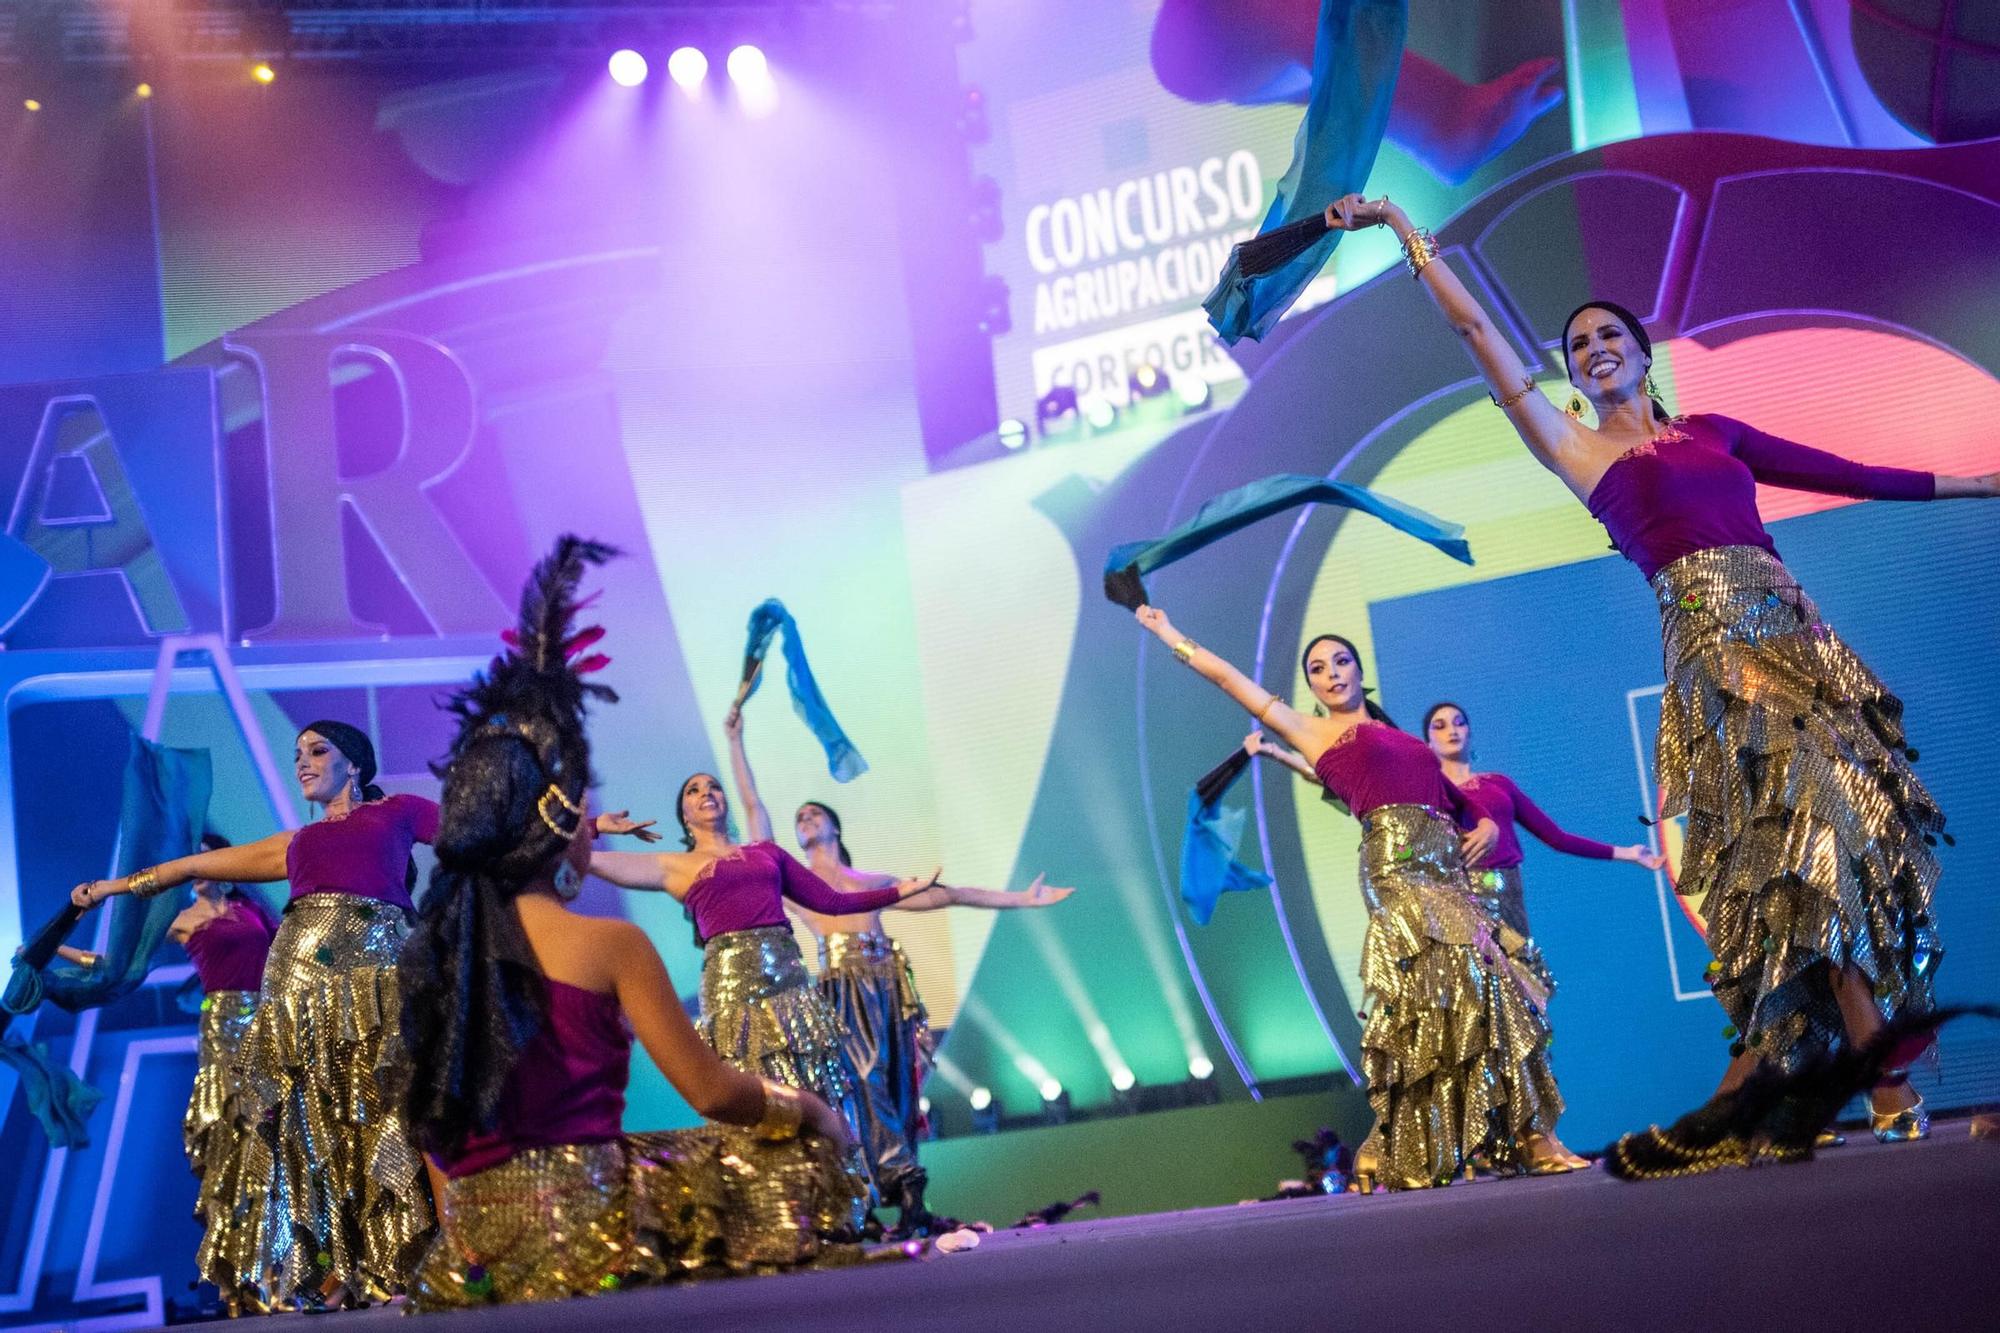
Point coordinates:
[(364, 854), (747, 889), (1695, 487), (567, 1087), (1496, 794), (228, 950), (1375, 765)]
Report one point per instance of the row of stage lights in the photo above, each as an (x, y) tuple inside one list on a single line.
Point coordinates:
[(1127, 1097), (1151, 394), (688, 67)]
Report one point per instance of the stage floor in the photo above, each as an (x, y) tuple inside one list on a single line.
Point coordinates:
[(1865, 1237)]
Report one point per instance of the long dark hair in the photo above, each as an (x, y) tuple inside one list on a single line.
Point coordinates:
[(839, 834), (1632, 325), (514, 783), (1368, 704)]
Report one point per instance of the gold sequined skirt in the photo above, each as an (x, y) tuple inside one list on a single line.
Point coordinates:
[(1500, 893), (1808, 836), (579, 1219), (1454, 1040), (761, 1012), (866, 979), (218, 1133), (347, 1192)]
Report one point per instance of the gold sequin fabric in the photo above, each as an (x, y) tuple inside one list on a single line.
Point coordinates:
[(1808, 836), (217, 1132), (347, 1194), (1454, 1040), (761, 1013), (1500, 893), (580, 1219), (866, 978)]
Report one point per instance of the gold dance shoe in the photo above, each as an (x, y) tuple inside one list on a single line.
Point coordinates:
[(1904, 1126)]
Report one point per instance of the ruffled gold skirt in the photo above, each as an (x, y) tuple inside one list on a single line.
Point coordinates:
[(580, 1219), (1808, 837), (866, 979), (1500, 894), (347, 1193), (1454, 1040), (761, 1013), (218, 1134)]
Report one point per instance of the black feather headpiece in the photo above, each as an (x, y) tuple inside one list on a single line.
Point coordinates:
[(513, 803)]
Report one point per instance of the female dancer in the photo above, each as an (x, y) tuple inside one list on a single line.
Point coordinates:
[(865, 977), (1807, 830), (1454, 1043), (1449, 733), (347, 1211), (520, 1017), (227, 932), (759, 1008)]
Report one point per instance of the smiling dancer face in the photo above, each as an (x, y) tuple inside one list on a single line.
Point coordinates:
[(704, 807), (1333, 674), (324, 771), (1448, 732), (1608, 355)]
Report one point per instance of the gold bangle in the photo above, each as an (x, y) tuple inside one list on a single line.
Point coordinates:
[(1527, 387), (1185, 650), (1419, 249), (145, 883), (1265, 709), (784, 1112)]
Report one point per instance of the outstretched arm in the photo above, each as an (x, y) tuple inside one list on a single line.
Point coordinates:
[(1257, 743), (1269, 710), (258, 862), (1799, 467), (1545, 431), (1536, 820), (631, 870), (1037, 894), (754, 814), (814, 894)]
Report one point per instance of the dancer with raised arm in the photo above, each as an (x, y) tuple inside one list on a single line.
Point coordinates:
[(1454, 1041), (760, 1010), (1808, 835), (520, 1016), (347, 1209), (866, 978)]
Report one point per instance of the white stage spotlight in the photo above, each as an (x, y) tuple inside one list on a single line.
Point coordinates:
[(688, 67), (628, 68)]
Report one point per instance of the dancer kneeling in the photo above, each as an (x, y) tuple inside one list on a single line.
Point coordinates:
[(1455, 1038), (520, 1016)]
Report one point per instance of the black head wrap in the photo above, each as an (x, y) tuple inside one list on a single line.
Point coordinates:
[(514, 789)]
